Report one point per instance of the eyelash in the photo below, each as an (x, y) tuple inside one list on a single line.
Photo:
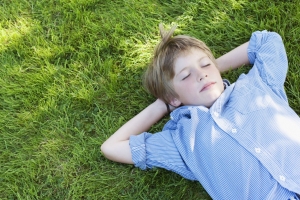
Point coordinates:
[(186, 77), (190, 74), (206, 65)]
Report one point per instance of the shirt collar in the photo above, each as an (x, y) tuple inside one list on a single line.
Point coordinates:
[(216, 107), (219, 103)]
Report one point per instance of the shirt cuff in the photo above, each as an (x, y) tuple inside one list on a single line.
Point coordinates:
[(138, 149), (254, 44)]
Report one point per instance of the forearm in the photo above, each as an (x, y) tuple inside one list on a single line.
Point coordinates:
[(234, 59), (117, 147), (140, 123)]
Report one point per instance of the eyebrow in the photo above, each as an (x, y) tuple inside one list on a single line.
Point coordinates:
[(188, 66)]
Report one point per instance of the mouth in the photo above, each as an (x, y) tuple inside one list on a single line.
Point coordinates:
[(207, 86)]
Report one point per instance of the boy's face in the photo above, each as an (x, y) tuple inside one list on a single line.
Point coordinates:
[(197, 80)]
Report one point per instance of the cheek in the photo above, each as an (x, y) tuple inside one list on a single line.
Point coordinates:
[(177, 87), (187, 88), (182, 88)]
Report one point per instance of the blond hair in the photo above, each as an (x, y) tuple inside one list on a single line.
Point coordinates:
[(160, 72)]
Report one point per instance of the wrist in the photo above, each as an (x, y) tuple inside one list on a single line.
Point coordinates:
[(160, 106), (168, 108)]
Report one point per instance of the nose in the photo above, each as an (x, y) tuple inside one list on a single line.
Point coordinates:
[(201, 74), (202, 77)]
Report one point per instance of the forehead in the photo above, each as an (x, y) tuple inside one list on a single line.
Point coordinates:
[(192, 51), (188, 57)]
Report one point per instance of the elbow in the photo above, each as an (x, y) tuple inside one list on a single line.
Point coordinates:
[(108, 150), (118, 152), (104, 149)]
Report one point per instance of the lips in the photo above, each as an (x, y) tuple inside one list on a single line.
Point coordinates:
[(207, 86)]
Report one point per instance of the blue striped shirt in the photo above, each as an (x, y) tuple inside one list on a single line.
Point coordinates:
[(247, 145)]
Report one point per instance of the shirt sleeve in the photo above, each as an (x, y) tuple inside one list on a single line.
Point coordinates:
[(267, 54), (158, 150)]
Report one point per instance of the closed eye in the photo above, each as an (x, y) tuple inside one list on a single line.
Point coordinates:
[(186, 77), (206, 65)]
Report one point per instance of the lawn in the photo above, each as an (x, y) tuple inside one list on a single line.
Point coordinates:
[(71, 73)]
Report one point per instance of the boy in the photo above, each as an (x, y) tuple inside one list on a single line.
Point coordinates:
[(240, 141)]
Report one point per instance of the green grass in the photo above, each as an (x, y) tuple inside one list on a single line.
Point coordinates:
[(71, 73)]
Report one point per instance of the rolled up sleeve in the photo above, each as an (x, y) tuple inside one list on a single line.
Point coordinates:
[(138, 150), (267, 54), (158, 150)]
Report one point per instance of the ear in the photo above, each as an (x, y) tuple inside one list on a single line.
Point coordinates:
[(175, 102)]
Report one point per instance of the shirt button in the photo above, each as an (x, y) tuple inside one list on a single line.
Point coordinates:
[(216, 114), (234, 130), (282, 178), (257, 150)]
